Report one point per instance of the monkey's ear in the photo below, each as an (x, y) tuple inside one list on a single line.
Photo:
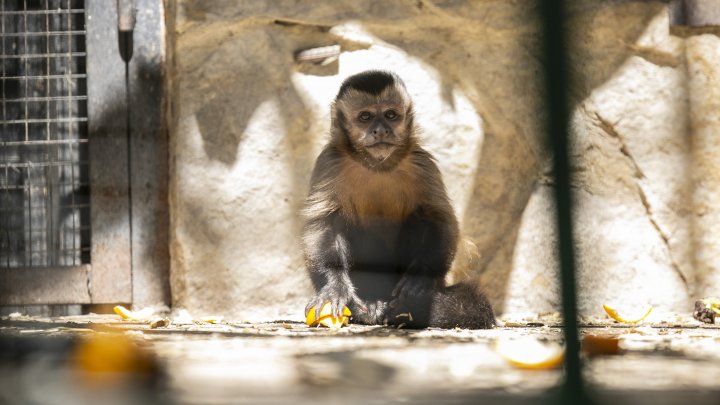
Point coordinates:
[(409, 110), (337, 117), (338, 111), (333, 114), (410, 115)]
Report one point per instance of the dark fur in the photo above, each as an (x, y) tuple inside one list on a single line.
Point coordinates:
[(371, 82), (380, 236)]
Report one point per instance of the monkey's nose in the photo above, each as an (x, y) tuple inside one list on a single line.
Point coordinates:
[(381, 133)]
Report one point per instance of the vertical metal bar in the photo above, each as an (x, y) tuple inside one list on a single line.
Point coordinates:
[(27, 188), (47, 67), (4, 97), (69, 66), (556, 79), (70, 126), (27, 69), (6, 216), (50, 178), (29, 246)]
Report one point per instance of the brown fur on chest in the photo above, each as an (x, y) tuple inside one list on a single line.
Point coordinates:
[(369, 196)]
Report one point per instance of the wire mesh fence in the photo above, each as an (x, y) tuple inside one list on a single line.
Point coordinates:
[(44, 181)]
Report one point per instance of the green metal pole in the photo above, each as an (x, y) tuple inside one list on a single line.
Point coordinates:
[(556, 79)]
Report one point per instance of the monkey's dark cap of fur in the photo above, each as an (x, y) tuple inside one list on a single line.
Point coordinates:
[(371, 82)]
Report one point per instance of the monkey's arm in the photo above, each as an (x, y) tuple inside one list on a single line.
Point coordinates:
[(328, 261), (327, 251)]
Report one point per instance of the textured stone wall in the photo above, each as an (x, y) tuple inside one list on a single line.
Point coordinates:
[(248, 122)]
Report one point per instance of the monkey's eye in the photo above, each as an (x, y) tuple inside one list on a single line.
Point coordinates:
[(365, 116), (391, 114)]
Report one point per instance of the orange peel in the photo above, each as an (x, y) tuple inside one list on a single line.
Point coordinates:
[(143, 314), (628, 315), (326, 318)]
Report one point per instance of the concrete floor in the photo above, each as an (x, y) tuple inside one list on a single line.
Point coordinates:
[(45, 361)]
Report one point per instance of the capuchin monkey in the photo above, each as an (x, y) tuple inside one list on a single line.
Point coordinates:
[(379, 233)]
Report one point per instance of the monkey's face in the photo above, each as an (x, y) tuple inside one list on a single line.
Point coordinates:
[(377, 129), (376, 126)]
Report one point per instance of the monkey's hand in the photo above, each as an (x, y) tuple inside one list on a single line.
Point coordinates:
[(338, 297), (413, 285)]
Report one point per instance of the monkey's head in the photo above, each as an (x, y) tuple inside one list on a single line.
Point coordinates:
[(372, 119)]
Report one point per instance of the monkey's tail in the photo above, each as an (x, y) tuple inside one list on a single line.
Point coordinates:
[(466, 264)]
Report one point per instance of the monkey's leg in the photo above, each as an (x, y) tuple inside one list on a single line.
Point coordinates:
[(426, 247), (457, 306), (461, 306)]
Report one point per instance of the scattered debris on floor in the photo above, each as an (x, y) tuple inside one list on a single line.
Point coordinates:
[(288, 361), (707, 309)]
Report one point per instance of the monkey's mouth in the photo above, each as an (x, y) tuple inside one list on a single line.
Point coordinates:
[(381, 145), (381, 150)]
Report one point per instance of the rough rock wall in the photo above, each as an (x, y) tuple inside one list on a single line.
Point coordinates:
[(249, 121)]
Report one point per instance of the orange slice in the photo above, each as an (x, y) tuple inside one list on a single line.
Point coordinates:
[(596, 345), (326, 319), (530, 353), (627, 315)]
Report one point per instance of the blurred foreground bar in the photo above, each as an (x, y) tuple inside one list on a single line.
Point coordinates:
[(556, 90)]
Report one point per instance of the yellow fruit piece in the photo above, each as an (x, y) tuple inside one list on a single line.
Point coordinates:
[(628, 316), (212, 319), (713, 303), (326, 318), (122, 311), (125, 313), (334, 322), (530, 354)]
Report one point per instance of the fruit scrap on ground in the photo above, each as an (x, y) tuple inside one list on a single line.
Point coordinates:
[(628, 315), (326, 318), (530, 354), (142, 315), (596, 345)]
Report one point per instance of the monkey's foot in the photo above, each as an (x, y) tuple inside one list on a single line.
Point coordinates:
[(369, 313)]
